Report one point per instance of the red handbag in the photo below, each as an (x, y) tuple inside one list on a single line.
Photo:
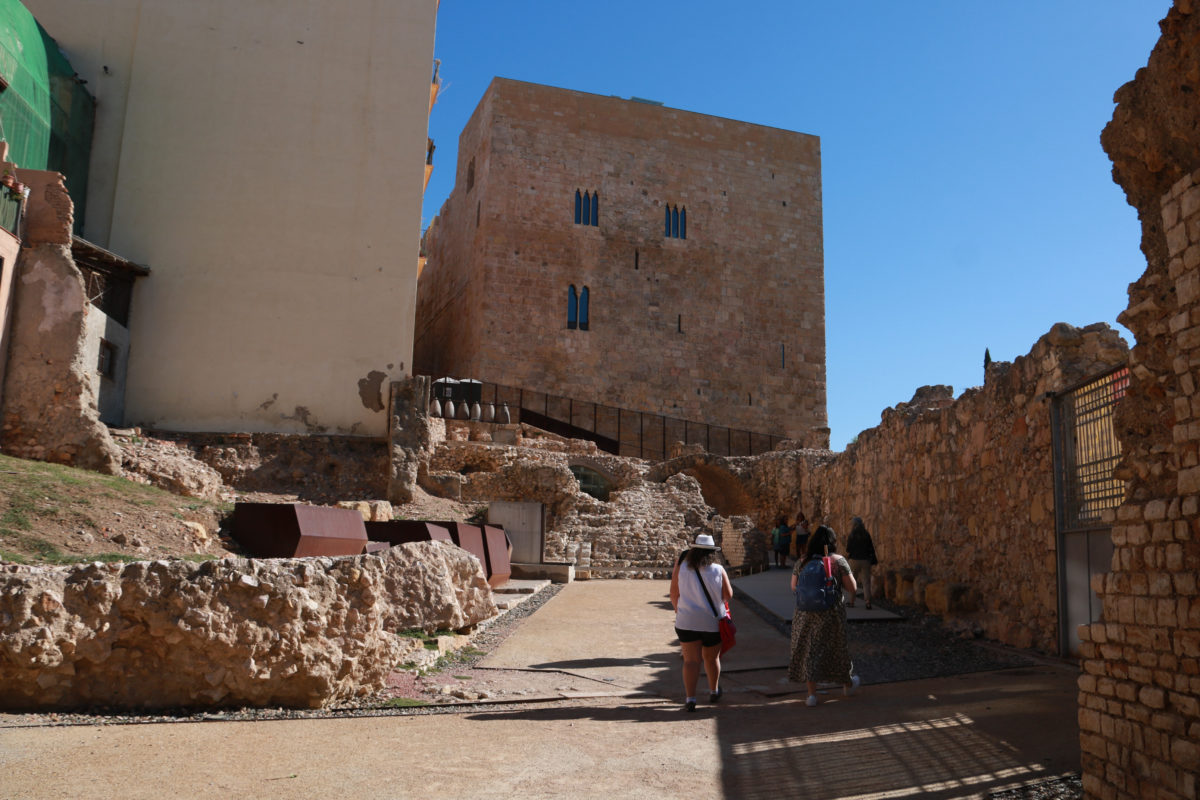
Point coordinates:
[(724, 624), (728, 630)]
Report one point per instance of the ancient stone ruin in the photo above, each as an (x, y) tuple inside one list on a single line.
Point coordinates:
[(173, 634), (1139, 709)]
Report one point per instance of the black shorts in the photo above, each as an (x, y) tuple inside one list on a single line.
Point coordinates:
[(705, 638)]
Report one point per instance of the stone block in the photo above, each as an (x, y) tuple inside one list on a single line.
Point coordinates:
[(173, 634)]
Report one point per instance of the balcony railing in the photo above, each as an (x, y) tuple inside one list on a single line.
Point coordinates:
[(10, 210)]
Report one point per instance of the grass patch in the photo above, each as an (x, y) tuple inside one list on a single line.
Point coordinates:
[(107, 558), (39, 551), (12, 558), (403, 702), (42, 504), (417, 633)]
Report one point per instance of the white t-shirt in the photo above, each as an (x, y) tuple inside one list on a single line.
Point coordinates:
[(693, 612)]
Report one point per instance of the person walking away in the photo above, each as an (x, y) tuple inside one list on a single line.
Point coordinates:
[(781, 542), (819, 650), (801, 533), (860, 551), (695, 581)]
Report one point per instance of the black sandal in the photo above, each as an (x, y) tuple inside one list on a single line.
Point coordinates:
[(714, 697)]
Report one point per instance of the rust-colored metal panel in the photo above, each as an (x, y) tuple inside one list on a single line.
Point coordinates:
[(294, 530), (495, 542), (402, 531), (470, 538)]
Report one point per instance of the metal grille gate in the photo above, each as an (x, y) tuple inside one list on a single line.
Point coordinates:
[(1086, 450)]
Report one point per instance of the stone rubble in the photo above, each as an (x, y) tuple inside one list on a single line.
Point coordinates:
[(174, 634)]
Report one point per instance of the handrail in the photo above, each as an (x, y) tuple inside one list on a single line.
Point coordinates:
[(621, 431)]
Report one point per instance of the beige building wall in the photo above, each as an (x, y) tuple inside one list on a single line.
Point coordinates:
[(266, 159), (725, 327)]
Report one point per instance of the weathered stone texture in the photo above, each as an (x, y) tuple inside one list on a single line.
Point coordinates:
[(962, 491), (316, 468), (410, 435), (165, 634), (1139, 713), (647, 520), (676, 326), (50, 411)]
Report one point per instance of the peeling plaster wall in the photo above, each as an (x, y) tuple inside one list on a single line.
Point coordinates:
[(50, 405), (271, 166), (10, 248), (49, 401)]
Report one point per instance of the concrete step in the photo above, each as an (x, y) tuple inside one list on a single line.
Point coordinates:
[(521, 586)]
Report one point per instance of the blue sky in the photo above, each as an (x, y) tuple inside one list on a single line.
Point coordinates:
[(967, 201)]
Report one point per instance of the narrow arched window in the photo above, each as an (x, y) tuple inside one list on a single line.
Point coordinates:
[(675, 222), (578, 207), (587, 207), (572, 308), (583, 309), (596, 209)]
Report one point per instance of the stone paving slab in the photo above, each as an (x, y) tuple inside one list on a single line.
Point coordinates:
[(635, 622), (772, 589)]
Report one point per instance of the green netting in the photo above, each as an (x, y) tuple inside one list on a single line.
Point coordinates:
[(46, 115)]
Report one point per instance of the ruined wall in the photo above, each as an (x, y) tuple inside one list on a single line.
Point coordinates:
[(685, 327), (963, 490), (172, 634), (10, 248), (50, 405), (1139, 711), (314, 468), (636, 533)]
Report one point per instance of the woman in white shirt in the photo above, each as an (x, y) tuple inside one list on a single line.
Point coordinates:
[(700, 589)]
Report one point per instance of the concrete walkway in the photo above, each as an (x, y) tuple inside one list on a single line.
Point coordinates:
[(772, 590), (954, 737)]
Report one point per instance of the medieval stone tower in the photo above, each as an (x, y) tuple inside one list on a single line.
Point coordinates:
[(619, 252)]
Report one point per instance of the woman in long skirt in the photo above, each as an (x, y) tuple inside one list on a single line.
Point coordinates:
[(819, 651)]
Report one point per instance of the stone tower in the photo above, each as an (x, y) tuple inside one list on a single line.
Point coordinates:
[(619, 252)]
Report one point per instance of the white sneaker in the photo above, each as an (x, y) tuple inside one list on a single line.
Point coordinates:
[(811, 701), (853, 687)]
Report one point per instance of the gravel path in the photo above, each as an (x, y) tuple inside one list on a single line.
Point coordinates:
[(883, 652)]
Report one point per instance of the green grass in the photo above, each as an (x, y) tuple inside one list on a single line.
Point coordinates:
[(35, 495), (39, 551), (403, 702)]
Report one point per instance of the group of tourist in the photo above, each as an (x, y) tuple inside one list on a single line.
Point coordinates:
[(700, 590)]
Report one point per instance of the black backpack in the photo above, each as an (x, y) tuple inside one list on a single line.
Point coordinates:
[(816, 587)]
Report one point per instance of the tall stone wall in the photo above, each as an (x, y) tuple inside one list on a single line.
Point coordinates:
[(962, 491), (725, 326), (50, 406), (1139, 695)]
